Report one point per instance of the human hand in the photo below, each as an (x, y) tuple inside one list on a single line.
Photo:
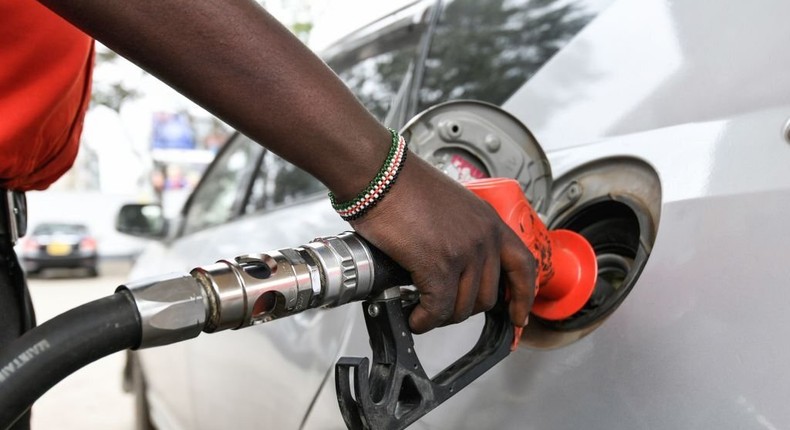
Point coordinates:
[(454, 245)]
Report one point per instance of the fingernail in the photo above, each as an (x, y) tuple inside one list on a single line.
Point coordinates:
[(516, 338)]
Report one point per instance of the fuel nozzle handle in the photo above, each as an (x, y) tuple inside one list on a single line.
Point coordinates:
[(567, 266), (387, 273)]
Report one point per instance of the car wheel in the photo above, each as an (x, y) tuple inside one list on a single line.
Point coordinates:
[(93, 272), (134, 382)]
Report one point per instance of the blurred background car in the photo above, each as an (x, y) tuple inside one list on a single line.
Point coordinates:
[(58, 245)]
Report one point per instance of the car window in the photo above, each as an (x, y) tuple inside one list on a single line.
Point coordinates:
[(49, 229), (485, 50), (221, 191), (374, 66), (375, 80), (279, 182)]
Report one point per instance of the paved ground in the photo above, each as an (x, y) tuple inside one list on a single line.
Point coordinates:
[(92, 397)]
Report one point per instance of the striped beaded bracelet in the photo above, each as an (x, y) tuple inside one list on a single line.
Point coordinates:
[(385, 178)]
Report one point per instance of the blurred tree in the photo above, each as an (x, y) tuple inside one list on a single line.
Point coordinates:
[(111, 91), (302, 30)]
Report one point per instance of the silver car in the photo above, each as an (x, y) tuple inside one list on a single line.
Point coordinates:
[(665, 129)]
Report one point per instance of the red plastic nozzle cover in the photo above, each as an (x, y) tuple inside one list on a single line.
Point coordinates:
[(567, 266)]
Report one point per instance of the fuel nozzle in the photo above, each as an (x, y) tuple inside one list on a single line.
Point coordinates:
[(255, 288), (567, 266)]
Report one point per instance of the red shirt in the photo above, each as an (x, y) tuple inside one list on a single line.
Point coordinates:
[(45, 78)]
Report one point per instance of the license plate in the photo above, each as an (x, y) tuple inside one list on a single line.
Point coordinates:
[(58, 249)]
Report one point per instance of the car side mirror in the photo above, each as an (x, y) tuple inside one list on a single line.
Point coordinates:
[(141, 220)]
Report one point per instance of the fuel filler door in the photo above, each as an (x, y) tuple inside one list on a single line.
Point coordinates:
[(469, 139)]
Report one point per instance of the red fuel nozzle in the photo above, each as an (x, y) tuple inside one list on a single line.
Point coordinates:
[(567, 267)]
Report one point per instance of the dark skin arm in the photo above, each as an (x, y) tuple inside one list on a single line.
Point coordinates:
[(239, 63)]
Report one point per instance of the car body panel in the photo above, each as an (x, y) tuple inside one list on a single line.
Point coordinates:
[(697, 92), (647, 64)]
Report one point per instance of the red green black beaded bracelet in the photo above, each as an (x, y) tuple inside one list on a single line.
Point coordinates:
[(385, 178)]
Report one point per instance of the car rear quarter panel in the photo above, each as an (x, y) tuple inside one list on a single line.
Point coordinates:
[(647, 64)]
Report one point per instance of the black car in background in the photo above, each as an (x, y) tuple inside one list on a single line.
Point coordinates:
[(60, 245)]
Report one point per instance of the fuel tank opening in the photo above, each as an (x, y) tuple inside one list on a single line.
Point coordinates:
[(612, 228), (615, 206)]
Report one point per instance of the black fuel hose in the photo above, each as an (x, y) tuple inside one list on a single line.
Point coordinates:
[(47, 354)]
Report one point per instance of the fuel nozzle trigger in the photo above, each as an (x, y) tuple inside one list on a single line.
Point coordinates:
[(395, 391)]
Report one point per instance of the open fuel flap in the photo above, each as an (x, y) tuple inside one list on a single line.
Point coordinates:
[(613, 203), (471, 140)]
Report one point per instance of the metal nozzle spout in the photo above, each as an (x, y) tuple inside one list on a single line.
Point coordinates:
[(255, 288), (172, 308)]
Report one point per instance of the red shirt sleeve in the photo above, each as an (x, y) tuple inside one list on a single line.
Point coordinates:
[(45, 78)]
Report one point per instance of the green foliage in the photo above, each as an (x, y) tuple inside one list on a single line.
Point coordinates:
[(302, 29)]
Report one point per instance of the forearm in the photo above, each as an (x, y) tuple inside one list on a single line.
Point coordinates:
[(239, 63)]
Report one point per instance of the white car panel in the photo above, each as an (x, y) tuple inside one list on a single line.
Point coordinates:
[(647, 64)]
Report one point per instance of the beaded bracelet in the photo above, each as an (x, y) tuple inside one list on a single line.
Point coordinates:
[(385, 178)]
